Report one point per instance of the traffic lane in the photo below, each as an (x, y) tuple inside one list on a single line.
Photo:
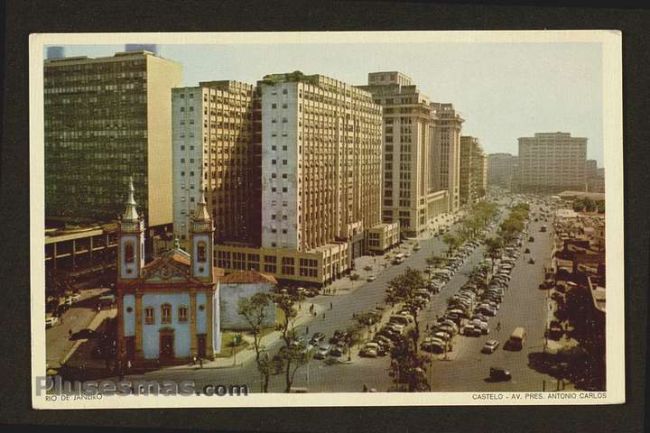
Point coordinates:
[(523, 305)]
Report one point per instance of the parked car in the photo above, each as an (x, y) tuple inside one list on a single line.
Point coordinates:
[(490, 346), (371, 278), (51, 321), (370, 350), (322, 352), (84, 333), (499, 374), (317, 338)]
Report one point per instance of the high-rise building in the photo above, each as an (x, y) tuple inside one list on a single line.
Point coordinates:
[(552, 162), (446, 154), (479, 171), (410, 196), (595, 176), (473, 170), (321, 179), (107, 119), (213, 153), (501, 169)]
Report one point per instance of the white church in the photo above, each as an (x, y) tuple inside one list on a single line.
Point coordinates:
[(168, 309)]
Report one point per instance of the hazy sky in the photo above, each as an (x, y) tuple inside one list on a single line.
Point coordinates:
[(503, 90)]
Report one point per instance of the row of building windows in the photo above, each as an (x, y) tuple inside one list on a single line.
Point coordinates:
[(165, 314)]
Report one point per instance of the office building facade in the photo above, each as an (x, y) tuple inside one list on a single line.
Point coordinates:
[(446, 154), (552, 162), (501, 169), (213, 153), (320, 179), (107, 119), (409, 195)]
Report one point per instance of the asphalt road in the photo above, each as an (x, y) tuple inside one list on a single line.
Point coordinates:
[(524, 305)]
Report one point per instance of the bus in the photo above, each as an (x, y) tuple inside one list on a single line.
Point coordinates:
[(517, 339)]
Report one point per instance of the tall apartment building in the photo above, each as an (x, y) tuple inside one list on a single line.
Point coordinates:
[(446, 155), (409, 195), (552, 162), (479, 171), (473, 170), (321, 179), (501, 169), (213, 153), (107, 119), (466, 192)]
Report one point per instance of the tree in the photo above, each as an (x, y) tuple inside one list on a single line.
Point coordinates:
[(255, 311), (407, 367), (292, 354), (493, 248), (404, 287), (452, 241)]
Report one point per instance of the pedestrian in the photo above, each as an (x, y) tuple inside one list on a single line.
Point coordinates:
[(315, 314), (128, 365), (331, 306), (323, 315), (194, 360), (200, 362), (70, 332), (307, 330), (365, 388)]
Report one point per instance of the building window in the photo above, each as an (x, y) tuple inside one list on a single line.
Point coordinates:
[(201, 251), (149, 317), (129, 252), (182, 313), (166, 313)]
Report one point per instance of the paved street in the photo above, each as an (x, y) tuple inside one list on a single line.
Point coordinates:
[(78, 317), (466, 370)]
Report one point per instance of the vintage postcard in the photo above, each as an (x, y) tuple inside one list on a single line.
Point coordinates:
[(326, 219)]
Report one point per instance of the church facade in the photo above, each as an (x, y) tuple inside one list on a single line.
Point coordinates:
[(168, 309)]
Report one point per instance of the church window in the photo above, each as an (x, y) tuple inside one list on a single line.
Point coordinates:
[(128, 252), (201, 252), (182, 313), (166, 313), (149, 316)]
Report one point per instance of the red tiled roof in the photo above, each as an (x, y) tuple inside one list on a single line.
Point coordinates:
[(247, 277)]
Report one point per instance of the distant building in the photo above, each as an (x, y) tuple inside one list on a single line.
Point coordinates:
[(501, 168), (410, 193), (53, 53), (107, 119), (213, 153), (168, 309), (152, 48), (552, 162), (595, 176), (243, 285)]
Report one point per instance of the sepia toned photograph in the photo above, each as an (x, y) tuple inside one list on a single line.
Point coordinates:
[(326, 219)]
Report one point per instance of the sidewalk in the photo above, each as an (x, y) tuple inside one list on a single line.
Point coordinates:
[(248, 354)]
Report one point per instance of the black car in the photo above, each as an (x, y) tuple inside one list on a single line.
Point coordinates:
[(84, 333), (500, 374)]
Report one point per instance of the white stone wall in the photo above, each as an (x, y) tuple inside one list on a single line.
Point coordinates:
[(229, 304), (151, 334)]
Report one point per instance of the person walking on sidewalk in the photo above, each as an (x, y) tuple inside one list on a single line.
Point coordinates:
[(307, 330), (331, 306)]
